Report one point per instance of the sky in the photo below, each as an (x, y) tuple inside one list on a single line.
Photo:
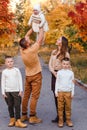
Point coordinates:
[(37, 1), (13, 3)]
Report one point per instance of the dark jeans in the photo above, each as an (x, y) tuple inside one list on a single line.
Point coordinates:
[(53, 80), (13, 101)]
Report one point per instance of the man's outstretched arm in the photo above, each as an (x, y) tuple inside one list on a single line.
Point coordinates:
[(40, 37), (29, 33)]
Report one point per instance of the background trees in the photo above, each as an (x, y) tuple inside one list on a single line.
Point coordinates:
[(79, 18), (7, 26), (65, 19)]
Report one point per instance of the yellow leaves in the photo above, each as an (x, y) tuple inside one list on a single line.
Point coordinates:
[(58, 20), (78, 47), (6, 40), (27, 11)]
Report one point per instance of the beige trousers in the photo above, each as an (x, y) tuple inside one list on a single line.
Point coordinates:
[(64, 98)]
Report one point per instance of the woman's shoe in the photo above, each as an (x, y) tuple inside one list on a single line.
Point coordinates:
[(55, 120)]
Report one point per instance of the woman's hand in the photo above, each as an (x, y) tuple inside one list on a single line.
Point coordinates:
[(55, 73)]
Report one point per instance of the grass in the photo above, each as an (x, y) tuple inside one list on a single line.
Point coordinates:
[(79, 65), (78, 62)]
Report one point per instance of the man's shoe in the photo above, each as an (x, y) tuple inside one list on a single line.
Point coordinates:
[(55, 120), (12, 122), (34, 120), (69, 123), (24, 118)]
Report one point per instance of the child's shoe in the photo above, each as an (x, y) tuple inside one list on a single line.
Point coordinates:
[(20, 124), (60, 123), (69, 123), (12, 122)]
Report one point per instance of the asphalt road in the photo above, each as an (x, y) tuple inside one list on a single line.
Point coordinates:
[(46, 108)]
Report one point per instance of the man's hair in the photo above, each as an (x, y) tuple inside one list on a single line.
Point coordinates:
[(65, 59), (22, 43)]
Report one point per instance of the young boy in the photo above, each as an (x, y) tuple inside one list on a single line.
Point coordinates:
[(64, 91), (11, 86), (37, 20)]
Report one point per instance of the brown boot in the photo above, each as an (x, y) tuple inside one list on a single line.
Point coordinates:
[(12, 122), (69, 123), (60, 123), (24, 118), (18, 123), (34, 119)]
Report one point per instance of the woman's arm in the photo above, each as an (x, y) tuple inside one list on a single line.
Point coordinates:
[(51, 65)]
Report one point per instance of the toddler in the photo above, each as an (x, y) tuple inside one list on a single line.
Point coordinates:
[(37, 20)]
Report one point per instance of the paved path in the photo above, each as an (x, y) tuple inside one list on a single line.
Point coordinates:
[(46, 109)]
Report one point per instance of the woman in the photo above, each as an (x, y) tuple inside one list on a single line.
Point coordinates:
[(55, 64)]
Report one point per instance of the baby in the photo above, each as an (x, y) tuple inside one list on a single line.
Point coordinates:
[(37, 20)]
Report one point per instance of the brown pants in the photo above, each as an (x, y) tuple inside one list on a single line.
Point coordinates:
[(32, 88), (64, 98)]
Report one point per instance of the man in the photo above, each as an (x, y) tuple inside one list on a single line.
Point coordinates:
[(29, 54)]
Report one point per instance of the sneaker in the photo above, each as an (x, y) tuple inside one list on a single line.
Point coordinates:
[(34, 120)]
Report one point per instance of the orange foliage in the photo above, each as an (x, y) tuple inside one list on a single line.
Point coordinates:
[(7, 26), (79, 17), (58, 20), (78, 47)]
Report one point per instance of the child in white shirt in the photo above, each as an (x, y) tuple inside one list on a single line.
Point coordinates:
[(64, 91), (37, 20), (12, 89)]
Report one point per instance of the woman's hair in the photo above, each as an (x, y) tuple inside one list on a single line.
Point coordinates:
[(22, 43), (64, 48)]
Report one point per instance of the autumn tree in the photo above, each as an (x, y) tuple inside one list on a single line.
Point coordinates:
[(58, 21), (79, 18), (19, 18), (7, 25)]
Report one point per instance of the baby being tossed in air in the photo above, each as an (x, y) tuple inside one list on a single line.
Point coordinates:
[(37, 20)]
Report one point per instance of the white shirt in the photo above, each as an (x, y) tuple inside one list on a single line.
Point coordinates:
[(38, 21), (64, 81), (11, 80)]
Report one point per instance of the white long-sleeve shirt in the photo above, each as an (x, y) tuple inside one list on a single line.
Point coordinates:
[(64, 81), (38, 21), (11, 80)]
